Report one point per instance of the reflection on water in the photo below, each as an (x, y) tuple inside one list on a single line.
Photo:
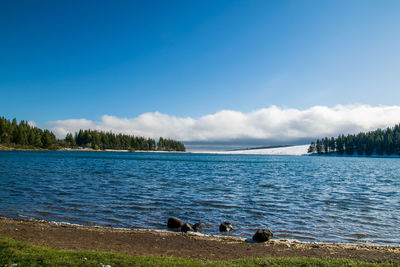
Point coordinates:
[(331, 199)]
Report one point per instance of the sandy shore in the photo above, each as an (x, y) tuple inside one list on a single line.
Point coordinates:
[(143, 242)]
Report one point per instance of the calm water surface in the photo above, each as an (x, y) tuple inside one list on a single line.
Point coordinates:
[(331, 199)]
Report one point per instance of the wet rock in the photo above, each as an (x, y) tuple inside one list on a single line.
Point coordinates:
[(263, 235), (175, 223), (225, 227), (186, 228), (197, 227)]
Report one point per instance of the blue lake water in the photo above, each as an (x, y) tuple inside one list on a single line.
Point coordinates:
[(325, 199)]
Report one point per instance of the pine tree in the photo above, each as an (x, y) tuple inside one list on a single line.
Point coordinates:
[(47, 140), (318, 146), (69, 140)]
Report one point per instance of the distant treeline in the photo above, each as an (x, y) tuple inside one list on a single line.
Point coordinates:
[(380, 142), (108, 140), (23, 135)]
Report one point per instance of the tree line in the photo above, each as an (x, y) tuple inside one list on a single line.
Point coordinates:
[(380, 142), (23, 135), (108, 140)]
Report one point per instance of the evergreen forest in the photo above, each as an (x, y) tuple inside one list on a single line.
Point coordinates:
[(379, 142), (24, 136)]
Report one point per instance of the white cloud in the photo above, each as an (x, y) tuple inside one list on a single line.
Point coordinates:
[(273, 123), (32, 123)]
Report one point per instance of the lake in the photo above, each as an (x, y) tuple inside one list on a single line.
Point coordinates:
[(308, 198)]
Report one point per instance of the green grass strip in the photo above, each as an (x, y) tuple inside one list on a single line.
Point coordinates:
[(15, 253)]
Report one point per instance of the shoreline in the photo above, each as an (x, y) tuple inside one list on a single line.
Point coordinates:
[(274, 151), (189, 245), (226, 235), (2, 148), (279, 151)]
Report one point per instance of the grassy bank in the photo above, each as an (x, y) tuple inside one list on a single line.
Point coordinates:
[(15, 253)]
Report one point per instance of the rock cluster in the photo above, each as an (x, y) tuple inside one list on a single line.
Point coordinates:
[(178, 225), (262, 235)]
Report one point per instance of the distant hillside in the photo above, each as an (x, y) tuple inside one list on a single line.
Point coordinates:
[(259, 147), (276, 150), (24, 136), (379, 142)]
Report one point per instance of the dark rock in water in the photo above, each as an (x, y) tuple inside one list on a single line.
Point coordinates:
[(175, 223), (225, 227), (186, 228), (197, 227), (263, 235)]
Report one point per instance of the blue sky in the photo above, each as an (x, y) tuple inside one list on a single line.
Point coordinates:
[(64, 60)]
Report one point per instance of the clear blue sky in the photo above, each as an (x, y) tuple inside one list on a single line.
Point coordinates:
[(84, 59)]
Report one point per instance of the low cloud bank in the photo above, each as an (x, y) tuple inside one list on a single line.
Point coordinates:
[(273, 124)]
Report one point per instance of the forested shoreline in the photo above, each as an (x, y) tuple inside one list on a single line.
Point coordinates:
[(379, 142), (24, 136)]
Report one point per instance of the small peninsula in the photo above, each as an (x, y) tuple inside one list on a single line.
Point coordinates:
[(23, 136), (381, 142)]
